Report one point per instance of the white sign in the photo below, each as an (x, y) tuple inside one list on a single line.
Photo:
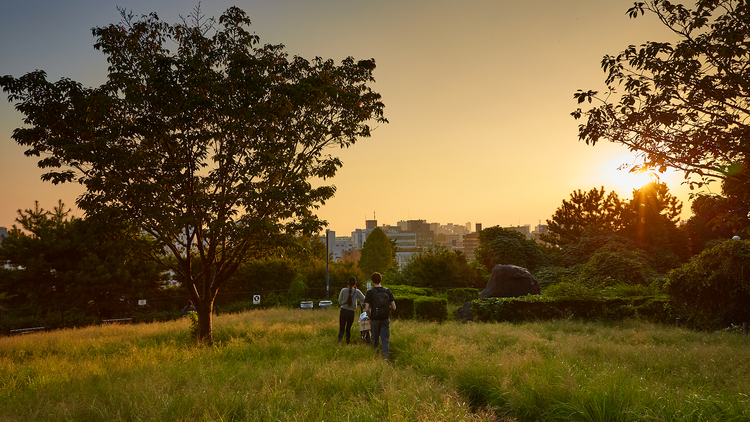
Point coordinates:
[(141, 302), (256, 299)]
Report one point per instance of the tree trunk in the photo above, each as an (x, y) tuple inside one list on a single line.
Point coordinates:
[(205, 323)]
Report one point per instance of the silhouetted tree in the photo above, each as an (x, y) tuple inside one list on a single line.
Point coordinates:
[(508, 247), (377, 253), (681, 105), (201, 137), (593, 210), (65, 263), (651, 221)]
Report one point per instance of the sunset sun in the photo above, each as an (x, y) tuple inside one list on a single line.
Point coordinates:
[(618, 176)]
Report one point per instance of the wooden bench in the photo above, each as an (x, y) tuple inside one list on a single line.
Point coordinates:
[(27, 330), (117, 321)]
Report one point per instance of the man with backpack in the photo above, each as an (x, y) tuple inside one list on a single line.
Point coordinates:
[(378, 303)]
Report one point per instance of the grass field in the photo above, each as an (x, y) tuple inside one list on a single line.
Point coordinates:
[(285, 365)]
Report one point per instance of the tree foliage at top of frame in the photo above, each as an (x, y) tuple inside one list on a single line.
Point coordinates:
[(683, 105)]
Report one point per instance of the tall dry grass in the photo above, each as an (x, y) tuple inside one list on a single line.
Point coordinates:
[(286, 365)]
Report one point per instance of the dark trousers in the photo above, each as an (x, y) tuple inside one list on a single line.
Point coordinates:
[(380, 329), (346, 319)]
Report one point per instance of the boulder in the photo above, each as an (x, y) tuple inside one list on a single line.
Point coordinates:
[(464, 313), (510, 281), (506, 281)]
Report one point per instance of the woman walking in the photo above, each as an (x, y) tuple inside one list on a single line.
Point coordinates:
[(348, 301)]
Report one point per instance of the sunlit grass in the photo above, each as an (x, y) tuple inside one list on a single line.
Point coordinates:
[(286, 365)]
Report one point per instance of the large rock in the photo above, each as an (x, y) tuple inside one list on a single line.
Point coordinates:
[(464, 313), (510, 281), (506, 281)]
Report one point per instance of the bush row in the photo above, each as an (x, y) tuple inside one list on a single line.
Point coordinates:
[(536, 307)]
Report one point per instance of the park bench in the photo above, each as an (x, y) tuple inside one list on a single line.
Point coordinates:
[(117, 321), (27, 330)]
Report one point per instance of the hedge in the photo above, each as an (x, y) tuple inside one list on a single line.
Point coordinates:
[(431, 308), (462, 295), (404, 307), (536, 307)]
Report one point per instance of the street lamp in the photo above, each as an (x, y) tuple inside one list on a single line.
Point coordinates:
[(327, 295)]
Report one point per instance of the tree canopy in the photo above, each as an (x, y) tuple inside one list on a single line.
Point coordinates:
[(203, 138), (64, 263), (683, 105), (377, 253), (508, 247), (593, 209)]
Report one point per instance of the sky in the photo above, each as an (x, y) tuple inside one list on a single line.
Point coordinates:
[(478, 95)]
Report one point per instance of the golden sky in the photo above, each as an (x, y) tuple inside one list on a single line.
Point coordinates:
[(478, 94)]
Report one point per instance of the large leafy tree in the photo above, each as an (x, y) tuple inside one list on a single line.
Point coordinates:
[(595, 209), (377, 253), (508, 247), (683, 105), (206, 140)]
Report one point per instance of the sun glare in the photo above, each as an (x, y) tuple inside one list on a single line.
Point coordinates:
[(618, 176)]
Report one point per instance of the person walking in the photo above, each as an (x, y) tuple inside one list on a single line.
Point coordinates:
[(188, 308), (348, 300), (378, 304)]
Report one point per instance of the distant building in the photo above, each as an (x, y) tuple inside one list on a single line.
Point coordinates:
[(337, 245), (538, 231), (404, 240), (403, 257), (525, 230), (470, 243), (351, 255)]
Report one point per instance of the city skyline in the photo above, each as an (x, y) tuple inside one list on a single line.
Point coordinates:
[(478, 95)]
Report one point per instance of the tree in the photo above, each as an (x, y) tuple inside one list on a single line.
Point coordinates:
[(440, 267), (594, 209), (211, 148), (377, 253), (67, 263), (682, 105), (651, 219), (508, 247), (719, 217), (711, 291)]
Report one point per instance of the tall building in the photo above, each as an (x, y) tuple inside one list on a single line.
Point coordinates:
[(470, 243)]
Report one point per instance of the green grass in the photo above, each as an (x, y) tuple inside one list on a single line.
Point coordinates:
[(285, 365)]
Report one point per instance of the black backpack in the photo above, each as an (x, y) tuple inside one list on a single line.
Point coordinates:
[(381, 303)]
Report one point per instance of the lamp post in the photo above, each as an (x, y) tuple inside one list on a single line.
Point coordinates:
[(327, 295)]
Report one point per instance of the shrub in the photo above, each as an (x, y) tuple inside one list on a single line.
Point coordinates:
[(431, 308), (712, 291), (404, 290), (440, 267), (536, 307), (550, 275), (404, 307), (463, 295), (610, 266)]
